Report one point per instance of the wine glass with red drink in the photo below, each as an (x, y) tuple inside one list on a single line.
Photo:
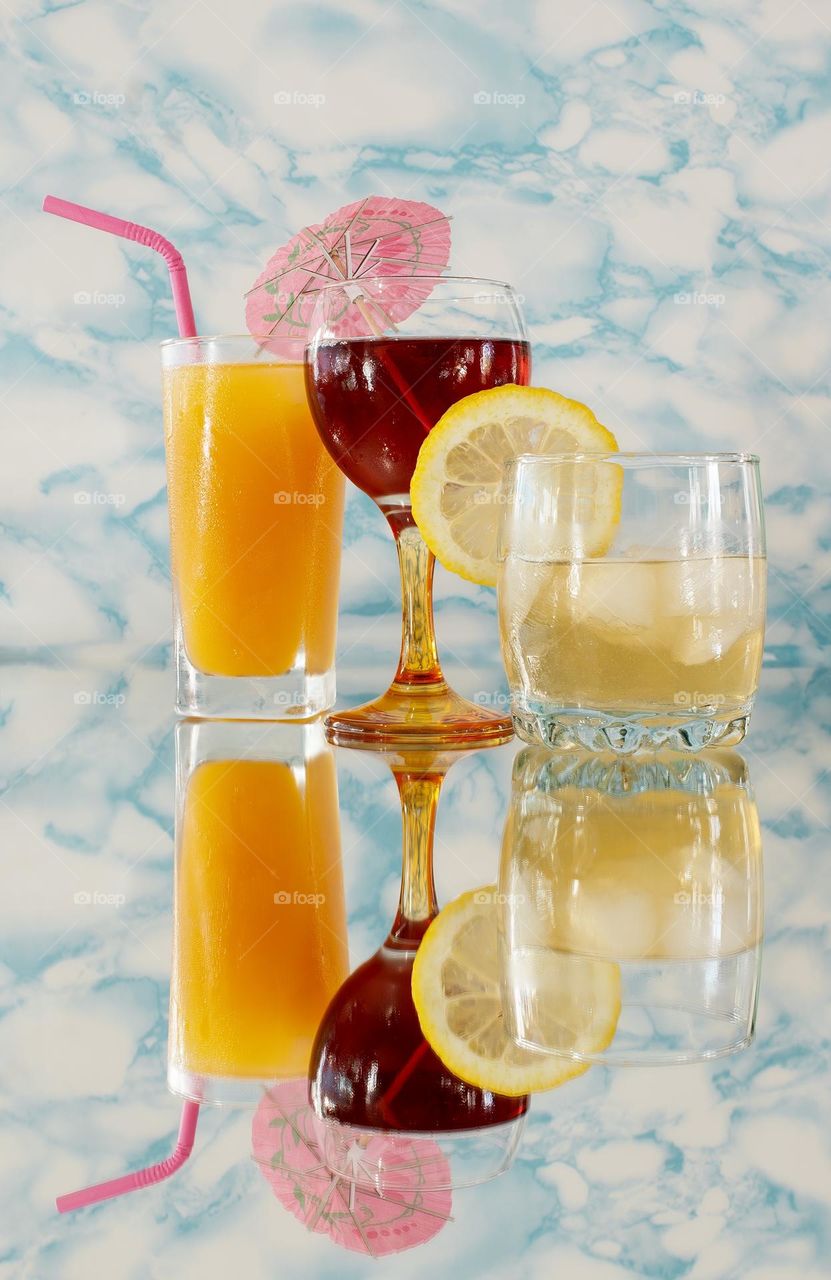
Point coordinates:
[(386, 357), (371, 1069)]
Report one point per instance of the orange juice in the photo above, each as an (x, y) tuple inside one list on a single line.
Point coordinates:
[(256, 509), (260, 925)]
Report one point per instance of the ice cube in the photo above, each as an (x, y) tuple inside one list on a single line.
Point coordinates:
[(526, 610), (531, 604), (618, 924), (616, 593), (713, 912), (707, 639), (691, 586), (743, 586), (709, 586)]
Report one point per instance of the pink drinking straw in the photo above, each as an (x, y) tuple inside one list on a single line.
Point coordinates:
[(187, 329), (142, 1177), (142, 235)]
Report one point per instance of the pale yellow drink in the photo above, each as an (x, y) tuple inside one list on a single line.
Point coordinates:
[(664, 873), (634, 636), (648, 866)]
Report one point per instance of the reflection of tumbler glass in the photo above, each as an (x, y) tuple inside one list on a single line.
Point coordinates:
[(260, 939), (641, 878)]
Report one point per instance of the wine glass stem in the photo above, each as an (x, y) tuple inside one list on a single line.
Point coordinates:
[(419, 660), (417, 905)]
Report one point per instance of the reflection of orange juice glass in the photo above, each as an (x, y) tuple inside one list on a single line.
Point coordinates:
[(256, 509), (259, 922)]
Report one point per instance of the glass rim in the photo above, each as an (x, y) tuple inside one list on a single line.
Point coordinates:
[(634, 455), (435, 276), (258, 339)]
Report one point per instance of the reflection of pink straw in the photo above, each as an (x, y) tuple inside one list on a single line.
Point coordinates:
[(187, 329), (143, 235), (385, 1105), (142, 1177)]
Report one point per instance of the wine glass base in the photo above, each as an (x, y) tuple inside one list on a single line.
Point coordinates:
[(425, 715)]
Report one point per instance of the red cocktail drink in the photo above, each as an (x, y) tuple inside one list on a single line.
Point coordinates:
[(375, 399), (376, 390), (374, 1069)]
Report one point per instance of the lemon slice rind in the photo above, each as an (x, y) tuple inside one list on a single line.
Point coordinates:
[(456, 991), (455, 485)]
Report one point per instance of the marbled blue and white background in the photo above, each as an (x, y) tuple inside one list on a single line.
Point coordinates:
[(654, 179)]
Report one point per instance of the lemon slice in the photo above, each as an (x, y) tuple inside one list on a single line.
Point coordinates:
[(456, 990), (455, 485)]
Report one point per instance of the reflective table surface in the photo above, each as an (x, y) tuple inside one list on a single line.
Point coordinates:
[(719, 1168)]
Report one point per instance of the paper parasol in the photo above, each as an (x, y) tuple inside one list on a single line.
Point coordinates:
[(376, 236), (375, 1219)]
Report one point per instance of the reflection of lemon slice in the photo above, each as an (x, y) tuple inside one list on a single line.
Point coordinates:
[(455, 486), (456, 991)]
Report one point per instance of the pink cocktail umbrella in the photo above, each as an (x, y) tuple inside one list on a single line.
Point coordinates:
[(187, 329), (376, 236), (370, 1212)]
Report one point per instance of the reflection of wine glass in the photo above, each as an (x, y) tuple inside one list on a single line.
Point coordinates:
[(371, 1068), (374, 399), (644, 870)]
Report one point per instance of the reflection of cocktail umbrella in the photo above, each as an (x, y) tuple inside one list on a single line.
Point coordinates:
[(369, 1214), (376, 236)]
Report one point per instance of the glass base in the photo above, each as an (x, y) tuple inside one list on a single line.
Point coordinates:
[(420, 715), (218, 1091), (293, 696), (602, 731)]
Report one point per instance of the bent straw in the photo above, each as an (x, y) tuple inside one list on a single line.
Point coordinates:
[(187, 329), (142, 1177), (142, 235), (400, 382)]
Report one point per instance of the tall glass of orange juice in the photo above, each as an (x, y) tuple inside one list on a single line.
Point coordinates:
[(256, 514), (260, 942)]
